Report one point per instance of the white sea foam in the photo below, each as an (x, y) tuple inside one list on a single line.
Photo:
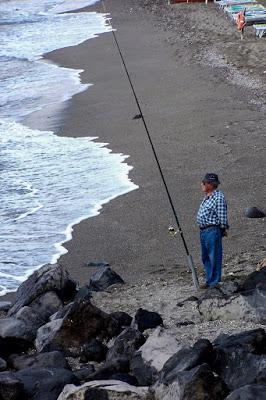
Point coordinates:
[(48, 183), (70, 180)]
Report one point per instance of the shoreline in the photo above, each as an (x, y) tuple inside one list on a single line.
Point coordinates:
[(161, 251)]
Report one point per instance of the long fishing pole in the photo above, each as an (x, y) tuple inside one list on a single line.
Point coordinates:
[(171, 230)]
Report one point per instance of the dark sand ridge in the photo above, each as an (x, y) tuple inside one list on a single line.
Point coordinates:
[(198, 123)]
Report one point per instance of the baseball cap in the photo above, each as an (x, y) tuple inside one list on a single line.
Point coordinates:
[(211, 178)]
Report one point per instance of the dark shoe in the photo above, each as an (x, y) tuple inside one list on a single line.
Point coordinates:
[(216, 286), (204, 286)]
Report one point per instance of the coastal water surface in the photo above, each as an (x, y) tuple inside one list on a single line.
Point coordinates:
[(48, 183)]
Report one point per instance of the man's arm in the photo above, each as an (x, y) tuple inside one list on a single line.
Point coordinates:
[(222, 212)]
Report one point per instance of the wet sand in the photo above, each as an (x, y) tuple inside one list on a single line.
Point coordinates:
[(199, 121)]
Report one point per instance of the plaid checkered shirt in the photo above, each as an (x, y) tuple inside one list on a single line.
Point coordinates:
[(213, 211)]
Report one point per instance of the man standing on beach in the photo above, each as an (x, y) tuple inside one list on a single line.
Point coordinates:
[(213, 224)]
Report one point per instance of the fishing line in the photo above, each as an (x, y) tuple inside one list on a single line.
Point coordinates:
[(179, 230)]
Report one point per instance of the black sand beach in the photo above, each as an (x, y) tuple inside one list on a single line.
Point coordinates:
[(199, 121), (203, 116)]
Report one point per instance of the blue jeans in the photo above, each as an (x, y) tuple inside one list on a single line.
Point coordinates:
[(212, 254)]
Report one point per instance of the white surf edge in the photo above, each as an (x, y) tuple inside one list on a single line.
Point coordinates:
[(61, 250)]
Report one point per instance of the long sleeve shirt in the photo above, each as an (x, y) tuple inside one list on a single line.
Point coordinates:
[(213, 211)]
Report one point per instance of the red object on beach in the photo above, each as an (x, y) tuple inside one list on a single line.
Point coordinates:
[(241, 20)]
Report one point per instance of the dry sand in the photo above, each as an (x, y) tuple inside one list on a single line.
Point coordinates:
[(200, 120)]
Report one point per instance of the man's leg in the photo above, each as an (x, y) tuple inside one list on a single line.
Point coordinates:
[(215, 252), (205, 257)]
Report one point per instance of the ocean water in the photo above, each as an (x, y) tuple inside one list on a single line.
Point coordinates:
[(48, 183)]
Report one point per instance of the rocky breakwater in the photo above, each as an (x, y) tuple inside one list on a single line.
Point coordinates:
[(56, 344)]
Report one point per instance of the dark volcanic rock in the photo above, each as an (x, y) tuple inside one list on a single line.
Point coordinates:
[(125, 344), (62, 312), (15, 329), (254, 279), (82, 323), (197, 384), (254, 212), (104, 278), (47, 304), (15, 336), (84, 293), (94, 350), (44, 383), (248, 392), (48, 278), (145, 374), (147, 319), (237, 367), (98, 264), (186, 359), (31, 318), (11, 388), (109, 369), (240, 359), (122, 318), (46, 334), (54, 359), (253, 341), (84, 373)]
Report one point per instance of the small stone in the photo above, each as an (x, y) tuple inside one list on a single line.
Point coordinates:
[(98, 264), (147, 319), (254, 212)]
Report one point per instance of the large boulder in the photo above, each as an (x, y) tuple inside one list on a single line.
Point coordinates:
[(248, 306), (44, 383), (46, 335), (30, 317), (15, 336), (186, 359), (125, 344), (46, 279), (104, 278), (199, 383), (104, 390), (53, 359), (47, 304), (149, 360), (237, 367), (82, 322), (248, 392), (254, 279), (147, 319), (253, 341), (254, 212), (11, 388)]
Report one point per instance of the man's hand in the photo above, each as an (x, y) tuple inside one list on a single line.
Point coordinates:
[(224, 233)]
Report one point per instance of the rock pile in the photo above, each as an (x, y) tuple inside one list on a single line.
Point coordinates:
[(56, 344)]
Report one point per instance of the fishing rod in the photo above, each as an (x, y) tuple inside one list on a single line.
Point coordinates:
[(171, 229)]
